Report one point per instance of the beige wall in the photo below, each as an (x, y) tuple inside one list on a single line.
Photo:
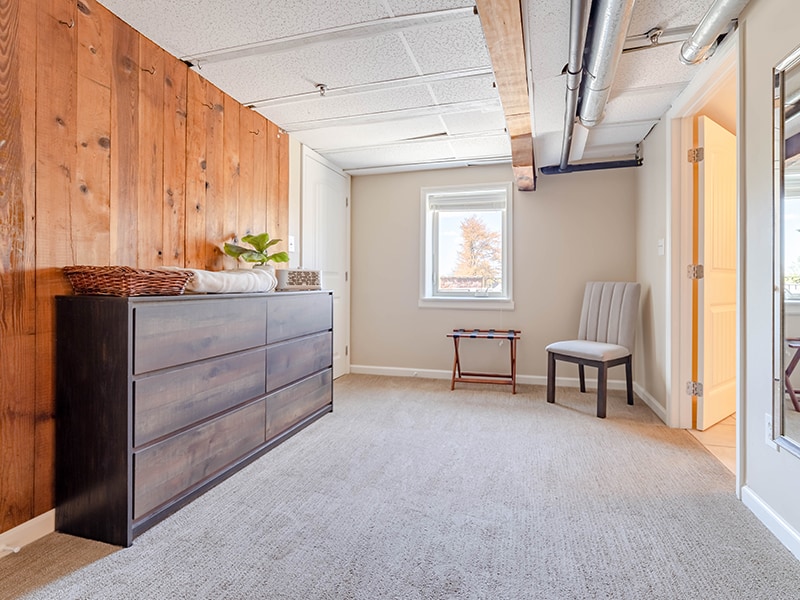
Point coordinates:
[(574, 228), (771, 477), (650, 369)]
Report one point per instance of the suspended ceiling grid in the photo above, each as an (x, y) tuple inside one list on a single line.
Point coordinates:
[(409, 84)]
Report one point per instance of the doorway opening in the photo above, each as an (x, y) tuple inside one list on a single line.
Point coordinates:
[(705, 343)]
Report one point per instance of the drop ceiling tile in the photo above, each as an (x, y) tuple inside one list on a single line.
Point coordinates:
[(640, 105), (356, 136), (186, 27), (548, 33), (394, 155), (654, 66), (457, 45), (475, 121), (488, 146), (549, 98), (408, 7), (459, 90), (336, 65), (331, 107), (604, 135), (657, 13)]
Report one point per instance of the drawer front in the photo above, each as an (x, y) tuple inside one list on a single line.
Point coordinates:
[(172, 333), (175, 399), (167, 469), (297, 314), (291, 404), (289, 361)]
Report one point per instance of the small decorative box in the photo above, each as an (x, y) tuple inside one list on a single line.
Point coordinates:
[(298, 279)]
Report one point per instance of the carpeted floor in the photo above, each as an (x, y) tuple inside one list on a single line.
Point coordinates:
[(410, 491)]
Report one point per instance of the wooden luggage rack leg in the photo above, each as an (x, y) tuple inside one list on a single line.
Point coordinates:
[(512, 335)]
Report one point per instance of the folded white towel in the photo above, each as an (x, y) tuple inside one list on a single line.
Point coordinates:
[(230, 282)]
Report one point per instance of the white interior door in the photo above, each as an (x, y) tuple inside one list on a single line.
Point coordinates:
[(716, 292), (325, 243)]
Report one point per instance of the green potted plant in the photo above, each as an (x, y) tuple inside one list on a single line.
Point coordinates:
[(258, 253)]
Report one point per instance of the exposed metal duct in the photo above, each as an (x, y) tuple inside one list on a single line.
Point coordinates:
[(700, 44), (611, 164), (577, 35), (610, 21)]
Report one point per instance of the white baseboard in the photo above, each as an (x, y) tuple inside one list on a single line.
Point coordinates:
[(613, 384), (787, 535), (654, 405), (27, 532)]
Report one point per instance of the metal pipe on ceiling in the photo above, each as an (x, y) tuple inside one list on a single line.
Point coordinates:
[(701, 44), (578, 17), (576, 168), (610, 21)]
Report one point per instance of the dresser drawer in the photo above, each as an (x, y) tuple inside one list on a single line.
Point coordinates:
[(171, 400), (297, 314), (167, 469), (172, 333), (289, 361), (291, 404)]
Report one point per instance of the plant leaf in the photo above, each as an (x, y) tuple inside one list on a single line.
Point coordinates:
[(279, 257), (259, 242), (253, 256), (234, 250)]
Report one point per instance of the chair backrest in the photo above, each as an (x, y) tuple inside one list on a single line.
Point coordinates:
[(610, 311)]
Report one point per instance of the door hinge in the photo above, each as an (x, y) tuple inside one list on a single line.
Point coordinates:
[(346, 276), (695, 155), (346, 350), (347, 202), (694, 388), (695, 271)]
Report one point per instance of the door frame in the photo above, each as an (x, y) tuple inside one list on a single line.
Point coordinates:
[(680, 133)]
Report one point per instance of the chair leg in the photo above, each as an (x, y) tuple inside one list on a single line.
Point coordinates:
[(551, 378), (602, 378), (629, 380), (582, 376)]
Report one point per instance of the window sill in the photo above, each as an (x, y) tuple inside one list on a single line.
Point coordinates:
[(476, 303)]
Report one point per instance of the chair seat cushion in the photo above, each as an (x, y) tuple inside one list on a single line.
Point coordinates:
[(589, 350)]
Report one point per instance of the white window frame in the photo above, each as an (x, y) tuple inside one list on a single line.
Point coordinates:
[(460, 195)]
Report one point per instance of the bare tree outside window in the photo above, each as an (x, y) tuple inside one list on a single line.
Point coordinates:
[(480, 252)]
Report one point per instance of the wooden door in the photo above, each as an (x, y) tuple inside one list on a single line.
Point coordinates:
[(714, 295)]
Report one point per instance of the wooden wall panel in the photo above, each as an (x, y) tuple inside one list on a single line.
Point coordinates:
[(17, 255), (260, 173), (215, 178), (125, 144), (104, 163), (91, 232), (230, 177), (196, 115), (56, 120), (280, 202), (150, 173), (247, 135), (273, 178), (174, 193)]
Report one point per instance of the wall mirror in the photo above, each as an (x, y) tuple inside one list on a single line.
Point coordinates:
[(786, 411)]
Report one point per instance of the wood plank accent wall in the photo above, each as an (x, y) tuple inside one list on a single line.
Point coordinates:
[(111, 152)]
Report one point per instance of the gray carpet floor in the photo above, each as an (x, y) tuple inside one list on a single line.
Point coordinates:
[(411, 491)]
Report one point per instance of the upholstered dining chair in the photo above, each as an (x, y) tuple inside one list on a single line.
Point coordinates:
[(605, 338)]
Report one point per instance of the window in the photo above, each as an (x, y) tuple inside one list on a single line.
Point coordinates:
[(466, 254)]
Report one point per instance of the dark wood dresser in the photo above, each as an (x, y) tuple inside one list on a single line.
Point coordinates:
[(161, 398)]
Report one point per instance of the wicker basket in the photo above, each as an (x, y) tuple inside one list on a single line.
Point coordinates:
[(126, 281)]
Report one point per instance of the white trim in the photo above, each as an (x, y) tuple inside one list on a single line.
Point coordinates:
[(476, 303), (787, 535), (28, 532), (650, 400), (571, 382)]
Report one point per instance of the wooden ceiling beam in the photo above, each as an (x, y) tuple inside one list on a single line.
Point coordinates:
[(502, 26)]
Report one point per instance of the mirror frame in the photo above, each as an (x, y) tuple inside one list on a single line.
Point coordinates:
[(778, 154)]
